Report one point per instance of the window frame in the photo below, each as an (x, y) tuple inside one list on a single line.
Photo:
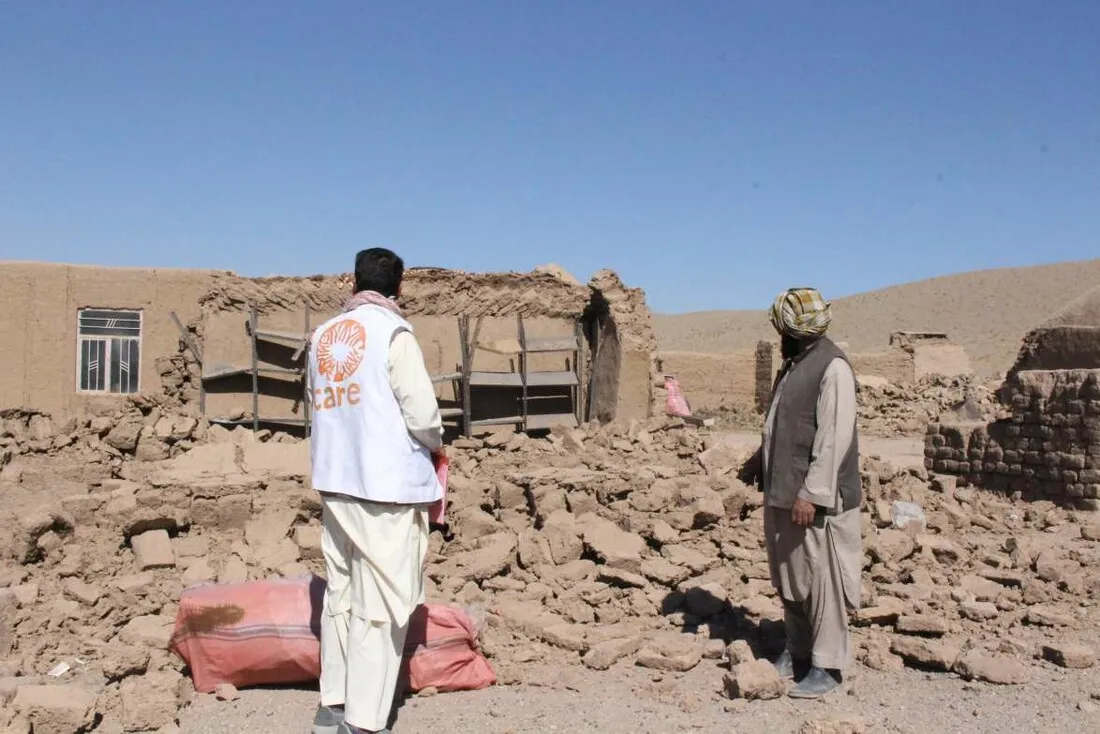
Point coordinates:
[(105, 366)]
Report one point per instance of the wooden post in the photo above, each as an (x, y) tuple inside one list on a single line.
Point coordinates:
[(253, 318), (522, 370)]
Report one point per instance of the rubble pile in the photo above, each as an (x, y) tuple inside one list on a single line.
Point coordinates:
[(138, 428), (601, 546), (888, 409)]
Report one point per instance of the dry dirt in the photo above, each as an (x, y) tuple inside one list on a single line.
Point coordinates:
[(987, 312), (617, 575)]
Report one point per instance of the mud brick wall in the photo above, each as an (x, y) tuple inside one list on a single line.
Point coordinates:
[(1048, 449)]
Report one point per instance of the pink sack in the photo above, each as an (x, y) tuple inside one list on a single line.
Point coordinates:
[(441, 652), (437, 511), (256, 633)]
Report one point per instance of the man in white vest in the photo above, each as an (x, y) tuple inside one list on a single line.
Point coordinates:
[(376, 425)]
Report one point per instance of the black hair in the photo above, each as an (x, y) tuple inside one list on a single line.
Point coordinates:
[(379, 270)]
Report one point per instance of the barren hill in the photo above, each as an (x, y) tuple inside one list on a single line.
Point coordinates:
[(987, 311)]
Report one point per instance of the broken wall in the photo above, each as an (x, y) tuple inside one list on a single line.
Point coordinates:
[(1048, 449)]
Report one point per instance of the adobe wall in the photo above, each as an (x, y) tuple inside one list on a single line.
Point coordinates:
[(1048, 449), (39, 303), (708, 380), (432, 300)]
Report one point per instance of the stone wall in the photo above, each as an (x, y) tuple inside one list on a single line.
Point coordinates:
[(1048, 449)]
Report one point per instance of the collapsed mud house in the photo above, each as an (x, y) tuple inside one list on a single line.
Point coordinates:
[(1047, 445), (528, 350), (742, 380)]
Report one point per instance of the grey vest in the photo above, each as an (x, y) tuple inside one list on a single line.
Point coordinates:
[(795, 424)]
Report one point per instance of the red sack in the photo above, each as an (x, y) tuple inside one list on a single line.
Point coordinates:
[(437, 511), (256, 633), (441, 652)]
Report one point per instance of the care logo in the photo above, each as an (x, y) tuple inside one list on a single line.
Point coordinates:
[(340, 349)]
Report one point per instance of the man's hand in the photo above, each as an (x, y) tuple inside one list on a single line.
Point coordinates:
[(802, 513), (751, 469)]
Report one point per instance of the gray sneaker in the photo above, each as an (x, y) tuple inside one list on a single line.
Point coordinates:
[(328, 720)]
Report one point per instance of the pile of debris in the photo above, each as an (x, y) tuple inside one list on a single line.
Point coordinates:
[(596, 546), (140, 428), (888, 409)]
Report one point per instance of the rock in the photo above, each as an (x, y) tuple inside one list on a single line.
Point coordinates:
[(153, 549), (664, 572), (491, 556), (1042, 616), (677, 654), (534, 549), (926, 654), (152, 630), (615, 547), (77, 590), (1073, 656), (308, 540), (124, 436), (921, 624), (891, 545), (605, 654), (121, 661), (226, 692), (689, 558), (56, 708), (738, 652), (885, 612), (150, 701), (980, 588), (563, 536), (978, 665), (834, 724), (978, 611), (944, 549), (618, 577), (757, 679), (198, 572), (567, 636)]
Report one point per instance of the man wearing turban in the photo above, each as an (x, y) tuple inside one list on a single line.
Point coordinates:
[(808, 470)]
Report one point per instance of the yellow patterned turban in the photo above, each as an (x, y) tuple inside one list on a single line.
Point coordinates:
[(801, 313)]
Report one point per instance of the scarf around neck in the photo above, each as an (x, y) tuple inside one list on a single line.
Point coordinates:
[(365, 298)]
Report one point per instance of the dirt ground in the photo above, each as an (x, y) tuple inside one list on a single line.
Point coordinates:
[(625, 700), (570, 698)]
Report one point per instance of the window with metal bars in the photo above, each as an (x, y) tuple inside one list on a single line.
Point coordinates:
[(108, 350)]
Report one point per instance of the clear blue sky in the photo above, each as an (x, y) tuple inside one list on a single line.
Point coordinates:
[(711, 152)]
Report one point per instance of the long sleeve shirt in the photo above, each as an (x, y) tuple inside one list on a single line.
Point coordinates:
[(412, 385), (836, 412)]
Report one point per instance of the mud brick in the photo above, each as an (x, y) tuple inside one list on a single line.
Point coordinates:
[(936, 440), (1012, 457), (1033, 457), (929, 452), (1075, 407), (1013, 431), (1075, 490), (1089, 476), (1068, 476), (1092, 491), (1015, 470)]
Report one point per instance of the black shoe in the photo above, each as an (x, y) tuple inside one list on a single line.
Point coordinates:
[(816, 684), (790, 667)]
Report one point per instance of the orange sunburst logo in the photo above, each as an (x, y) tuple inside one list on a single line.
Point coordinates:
[(340, 349)]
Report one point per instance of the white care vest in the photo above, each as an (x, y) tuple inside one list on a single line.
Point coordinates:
[(359, 445)]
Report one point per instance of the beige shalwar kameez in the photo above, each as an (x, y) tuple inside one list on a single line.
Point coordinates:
[(374, 563), (816, 570)]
